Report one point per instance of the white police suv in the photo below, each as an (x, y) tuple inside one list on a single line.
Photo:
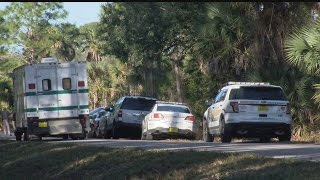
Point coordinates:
[(248, 110)]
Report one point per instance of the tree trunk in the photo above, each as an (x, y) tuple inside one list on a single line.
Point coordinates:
[(151, 83), (178, 82)]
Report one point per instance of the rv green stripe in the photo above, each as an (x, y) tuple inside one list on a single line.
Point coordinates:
[(56, 92), (84, 107), (31, 110), (57, 108), (83, 90), (30, 94)]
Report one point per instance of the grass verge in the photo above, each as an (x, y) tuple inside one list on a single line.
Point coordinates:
[(39, 160)]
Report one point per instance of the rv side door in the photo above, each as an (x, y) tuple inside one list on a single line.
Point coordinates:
[(47, 95), (67, 96)]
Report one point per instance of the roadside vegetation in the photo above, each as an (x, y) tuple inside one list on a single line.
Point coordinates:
[(38, 160), (175, 51)]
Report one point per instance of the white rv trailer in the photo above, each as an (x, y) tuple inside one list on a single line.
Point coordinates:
[(51, 99)]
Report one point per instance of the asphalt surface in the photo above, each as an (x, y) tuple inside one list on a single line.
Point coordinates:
[(297, 151)]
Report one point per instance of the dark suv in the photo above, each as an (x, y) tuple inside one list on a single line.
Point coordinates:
[(127, 115)]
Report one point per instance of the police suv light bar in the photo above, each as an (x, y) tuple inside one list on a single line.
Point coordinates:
[(252, 83)]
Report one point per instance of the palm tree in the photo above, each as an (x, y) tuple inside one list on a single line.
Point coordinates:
[(90, 42)]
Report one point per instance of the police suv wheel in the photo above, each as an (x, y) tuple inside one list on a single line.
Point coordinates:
[(224, 132), (207, 137)]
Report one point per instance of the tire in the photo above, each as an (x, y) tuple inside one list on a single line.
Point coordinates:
[(73, 137), (264, 139), (91, 133), (26, 136), (84, 135), (207, 137), (18, 136), (40, 137), (143, 136), (286, 138), (65, 136), (106, 133), (115, 134), (97, 133), (224, 132), (149, 136)]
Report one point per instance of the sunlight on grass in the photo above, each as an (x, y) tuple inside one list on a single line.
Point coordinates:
[(80, 162), (60, 149)]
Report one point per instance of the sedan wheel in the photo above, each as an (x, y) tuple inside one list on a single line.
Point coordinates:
[(149, 136), (114, 132)]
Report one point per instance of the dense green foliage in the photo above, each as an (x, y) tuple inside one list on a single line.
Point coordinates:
[(178, 51)]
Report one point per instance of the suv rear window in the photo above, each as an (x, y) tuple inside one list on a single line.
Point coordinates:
[(140, 104), (173, 109), (258, 93)]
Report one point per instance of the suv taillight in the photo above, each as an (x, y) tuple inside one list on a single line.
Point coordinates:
[(157, 116), (190, 118), (120, 113), (235, 106), (288, 108)]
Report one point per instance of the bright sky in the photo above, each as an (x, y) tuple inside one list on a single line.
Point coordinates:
[(79, 13)]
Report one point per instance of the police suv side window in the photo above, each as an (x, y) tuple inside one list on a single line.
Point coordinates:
[(221, 96), (217, 97), (46, 84)]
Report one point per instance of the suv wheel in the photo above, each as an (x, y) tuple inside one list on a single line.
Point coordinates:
[(149, 136), (143, 136), (26, 136), (106, 133), (207, 137), (18, 136), (285, 138), (115, 134), (224, 132), (264, 139)]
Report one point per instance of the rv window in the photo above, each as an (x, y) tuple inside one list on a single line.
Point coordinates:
[(46, 84), (66, 83)]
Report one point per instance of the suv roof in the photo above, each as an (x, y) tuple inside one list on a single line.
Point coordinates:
[(136, 97), (249, 84)]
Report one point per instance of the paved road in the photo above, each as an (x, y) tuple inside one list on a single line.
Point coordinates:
[(310, 152)]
